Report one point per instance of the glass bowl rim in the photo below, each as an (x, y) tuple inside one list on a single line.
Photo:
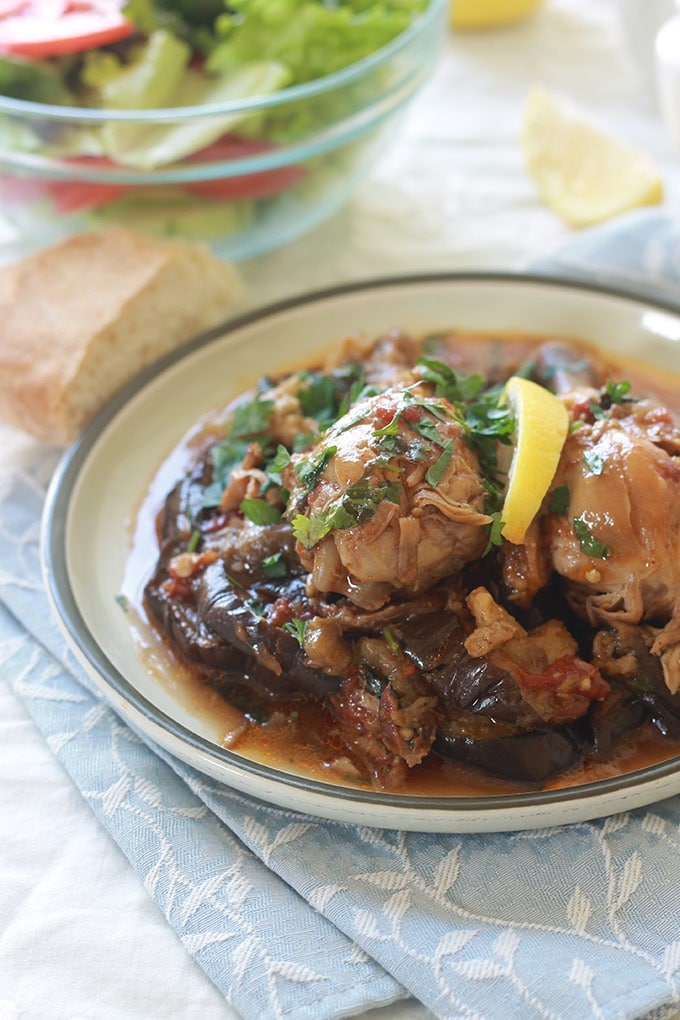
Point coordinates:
[(306, 90)]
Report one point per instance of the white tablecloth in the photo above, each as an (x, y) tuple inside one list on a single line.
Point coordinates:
[(79, 936)]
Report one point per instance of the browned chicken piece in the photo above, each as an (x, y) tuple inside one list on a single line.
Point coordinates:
[(618, 543), (395, 501), (387, 360)]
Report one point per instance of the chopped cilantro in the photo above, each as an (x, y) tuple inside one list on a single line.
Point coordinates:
[(257, 608), (194, 541), (310, 530), (259, 511), (485, 425), (250, 422), (318, 396), (123, 603), (310, 469), (436, 472), (391, 640), (559, 500), (251, 418), (448, 383), (588, 544), (274, 566), (327, 397), (495, 531), (297, 628), (356, 506), (612, 393), (594, 462), (234, 581), (427, 429), (279, 461), (617, 392)]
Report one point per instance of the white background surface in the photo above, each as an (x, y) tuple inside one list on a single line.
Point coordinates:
[(79, 937)]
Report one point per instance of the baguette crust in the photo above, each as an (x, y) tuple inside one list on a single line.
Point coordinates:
[(80, 319)]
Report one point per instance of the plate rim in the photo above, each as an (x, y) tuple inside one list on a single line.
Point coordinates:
[(109, 679)]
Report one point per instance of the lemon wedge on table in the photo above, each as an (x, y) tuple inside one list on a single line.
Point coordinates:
[(490, 13), (541, 429), (584, 174)]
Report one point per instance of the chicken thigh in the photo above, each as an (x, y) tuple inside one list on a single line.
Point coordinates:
[(617, 544)]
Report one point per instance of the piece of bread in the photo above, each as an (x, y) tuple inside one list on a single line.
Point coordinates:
[(80, 319)]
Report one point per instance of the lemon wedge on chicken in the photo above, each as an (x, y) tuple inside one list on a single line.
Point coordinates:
[(585, 175), (542, 423)]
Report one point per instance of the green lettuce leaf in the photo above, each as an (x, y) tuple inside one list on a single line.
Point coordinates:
[(147, 147), (311, 39)]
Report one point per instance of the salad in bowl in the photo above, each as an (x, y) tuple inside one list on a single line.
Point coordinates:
[(248, 122)]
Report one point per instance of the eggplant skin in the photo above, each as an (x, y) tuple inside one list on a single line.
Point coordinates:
[(225, 613), (532, 757), (435, 644), (186, 631)]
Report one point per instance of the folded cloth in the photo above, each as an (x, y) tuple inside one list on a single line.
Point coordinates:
[(290, 915)]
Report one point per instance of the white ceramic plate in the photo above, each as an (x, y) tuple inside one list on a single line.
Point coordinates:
[(97, 490)]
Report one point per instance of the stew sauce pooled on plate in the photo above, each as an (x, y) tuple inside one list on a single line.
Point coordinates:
[(335, 563)]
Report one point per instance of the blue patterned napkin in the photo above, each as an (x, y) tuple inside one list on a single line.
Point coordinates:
[(293, 916)]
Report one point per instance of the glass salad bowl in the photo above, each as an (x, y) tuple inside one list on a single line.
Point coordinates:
[(247, 157)]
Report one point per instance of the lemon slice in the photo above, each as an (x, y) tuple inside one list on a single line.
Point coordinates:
[(542, 426), (489, 13), (583, 174)]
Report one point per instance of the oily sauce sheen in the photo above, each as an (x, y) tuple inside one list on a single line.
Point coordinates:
[(293, 730)]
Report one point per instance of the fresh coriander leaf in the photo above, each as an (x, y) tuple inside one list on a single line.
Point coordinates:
[(594, 462), (391, 640), (448, 383), (194, 541), (589, 545), (310, 530), (310, 469), (356, 506), (318, 396), (297, 628), (435, 473), (251, 419), (426, 428), (234, 581), (559, 500), (363, 498), (279, 461), (617, 392), (304, 440), (391, 429), (274, 566), (257, 608), (123, 603), (596, 410), (212, 494), (495, 531), (259, 511)]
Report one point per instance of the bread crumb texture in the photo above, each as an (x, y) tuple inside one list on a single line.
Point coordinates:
[(80, 319)]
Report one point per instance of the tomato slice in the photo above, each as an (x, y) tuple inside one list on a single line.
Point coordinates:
[(256, 185), (43, 29), (81, 196), (259, 185)]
